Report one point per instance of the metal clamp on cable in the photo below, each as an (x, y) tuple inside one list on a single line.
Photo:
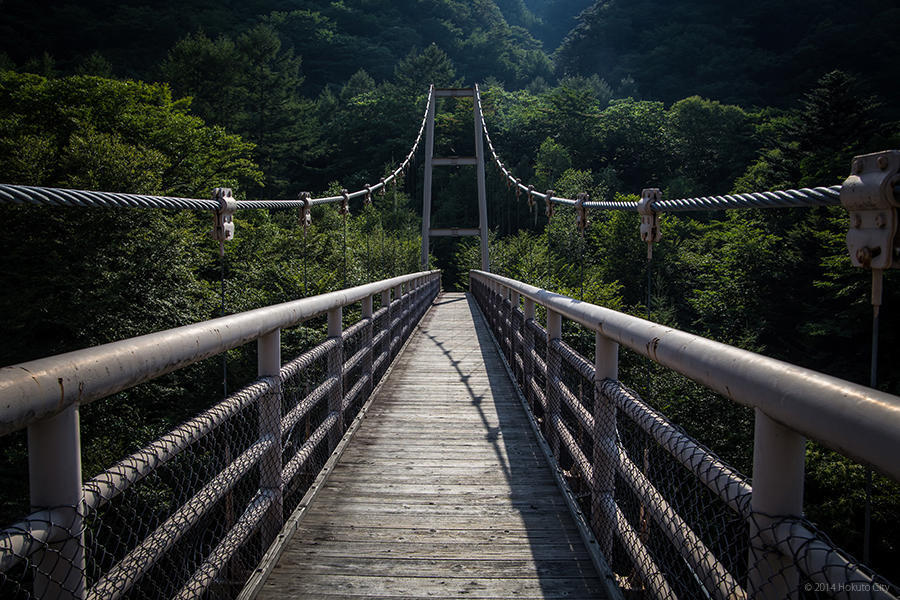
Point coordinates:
[(223, 222), (383, 186), (345, 203), (868, 195), (650, 232), (549, 204), (305, 214), (581, 219), (530, 198), (368, 199)]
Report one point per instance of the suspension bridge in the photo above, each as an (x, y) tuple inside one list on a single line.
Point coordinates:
[(446, 445)]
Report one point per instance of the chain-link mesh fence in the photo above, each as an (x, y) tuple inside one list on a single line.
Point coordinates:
[(672, 519), (192, 513)]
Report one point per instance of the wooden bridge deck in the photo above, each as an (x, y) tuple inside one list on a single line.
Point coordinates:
[(443, 492)]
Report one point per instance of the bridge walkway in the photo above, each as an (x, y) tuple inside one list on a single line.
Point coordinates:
[(443, 492)]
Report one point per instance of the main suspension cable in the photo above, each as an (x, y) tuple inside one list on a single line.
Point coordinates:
[(805, 197)]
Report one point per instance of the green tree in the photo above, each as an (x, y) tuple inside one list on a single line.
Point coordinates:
[(251, 86), (93, 133), (420, 69), (631, 137), (552, 160), (711, 145)]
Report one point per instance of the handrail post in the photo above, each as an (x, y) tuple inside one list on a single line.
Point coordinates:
[(506, 322), (54, 468), (778, 466), (398, 295), (603, 507), (527, 358), (269, 407), (336, 369), (513, 311), (386, 303), (554, 333), (369, 336)]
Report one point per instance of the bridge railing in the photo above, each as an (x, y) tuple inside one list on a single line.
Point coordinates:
[(671, 516), (192, 513)]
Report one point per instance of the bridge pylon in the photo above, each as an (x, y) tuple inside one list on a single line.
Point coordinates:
[(432, 161)]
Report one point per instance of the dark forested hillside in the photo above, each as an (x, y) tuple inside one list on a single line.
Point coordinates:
[(334, 38), (761, 53), (554, 19)]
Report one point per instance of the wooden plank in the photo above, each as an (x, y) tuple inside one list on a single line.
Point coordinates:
[(463, 474), (427, 463), (440, 587), (317, 564), (443, 492), (435, 480), (445, 521), (523, 549), (393, 513), (451, 451), (437, 536), (412, 490), (383, 497)]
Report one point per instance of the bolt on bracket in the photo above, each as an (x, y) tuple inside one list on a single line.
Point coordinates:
[(650, 232), (223, 222), (868, 195)]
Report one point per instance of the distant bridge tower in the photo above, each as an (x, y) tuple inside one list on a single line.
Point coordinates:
[(431, 161)]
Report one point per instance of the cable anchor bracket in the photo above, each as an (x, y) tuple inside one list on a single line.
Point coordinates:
[(581, 217), (650, 232), (223, 221), (345, 203), (548, 209), (305, 213), (871, 195)]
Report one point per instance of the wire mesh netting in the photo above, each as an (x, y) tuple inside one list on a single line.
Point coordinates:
[(192, 513), (672, 519)]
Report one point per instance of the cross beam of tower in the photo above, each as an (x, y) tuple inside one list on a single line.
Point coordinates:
[(431, 161)]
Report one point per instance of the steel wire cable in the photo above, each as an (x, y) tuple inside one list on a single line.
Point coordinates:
[(26, 194), (49, 196), (819, 196), (805, 197)]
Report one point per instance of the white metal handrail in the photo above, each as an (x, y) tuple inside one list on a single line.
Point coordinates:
[(52, 539), (853, 419), (789, 401), (38, 389)]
